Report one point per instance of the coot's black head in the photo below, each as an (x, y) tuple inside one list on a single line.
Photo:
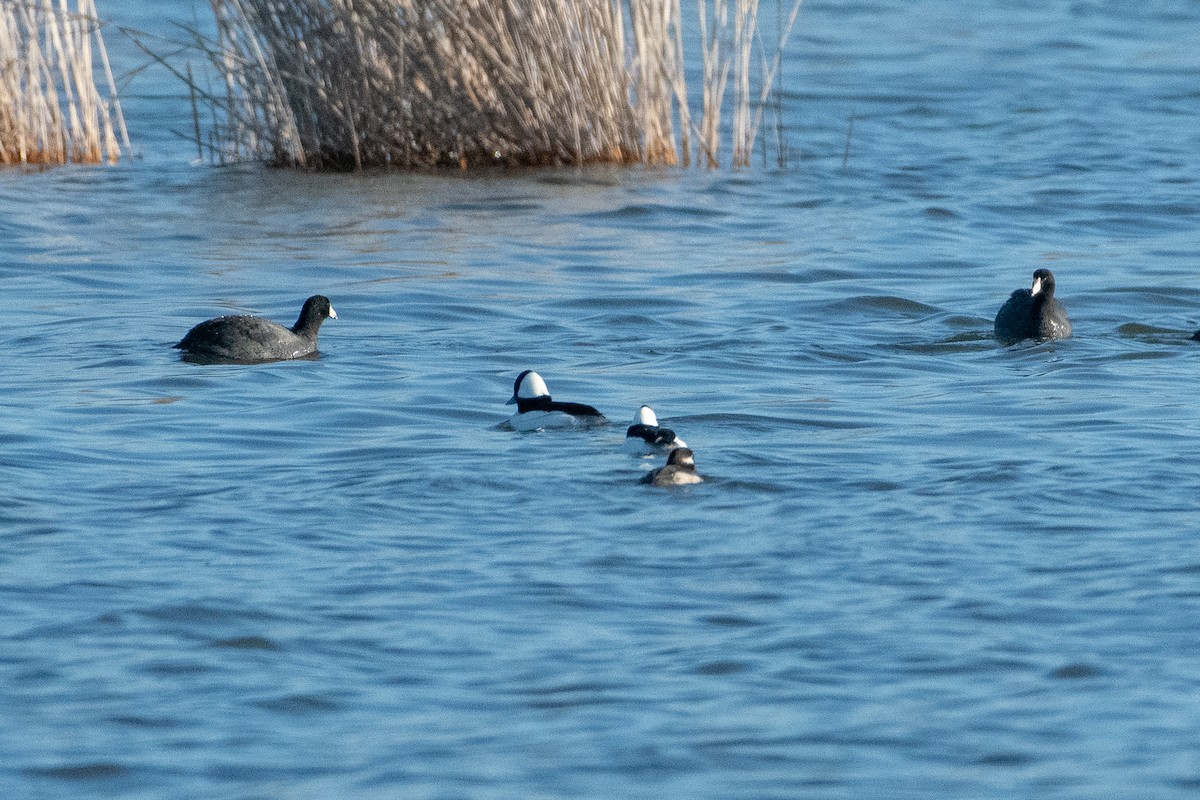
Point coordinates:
[(1043, 283), (316, 310)]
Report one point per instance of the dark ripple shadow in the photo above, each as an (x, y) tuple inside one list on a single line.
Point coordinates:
[(623, 303), (1182, 297), (644, 212), (760, 423), (736, 485), (147, 722), (734, 621), (175, 669), (572, 695), (1076, 671), (1153, 334), (874, 303), (507, 205), (252, 642), (977, 341), (95, 770), (635, 324), (204, 614), (436, 310), (1007, 759), (783, 275), (299, 705)]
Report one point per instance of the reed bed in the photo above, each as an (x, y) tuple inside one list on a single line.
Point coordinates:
[(347, 84), (51, 111)]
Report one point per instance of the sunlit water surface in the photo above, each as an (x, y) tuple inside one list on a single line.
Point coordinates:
[(922, 565)]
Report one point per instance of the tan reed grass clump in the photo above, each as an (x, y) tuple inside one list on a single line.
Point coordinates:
[(50, 109), (346, 84)]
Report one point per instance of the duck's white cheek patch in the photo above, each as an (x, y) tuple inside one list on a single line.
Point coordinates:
[(533, 386)]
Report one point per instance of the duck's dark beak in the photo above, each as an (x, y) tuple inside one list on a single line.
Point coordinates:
[(512, 401)]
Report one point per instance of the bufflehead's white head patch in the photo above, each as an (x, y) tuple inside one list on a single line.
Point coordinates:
[(645, 437), (527, 386), (645, 416)]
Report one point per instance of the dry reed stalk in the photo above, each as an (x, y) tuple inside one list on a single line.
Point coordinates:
[(51, 111), (772, 70), (729, 38), (745, 21), (658, 66), (346, 84)]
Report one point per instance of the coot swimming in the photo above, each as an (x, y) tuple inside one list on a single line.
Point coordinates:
[(247, 339), (1033, 313)]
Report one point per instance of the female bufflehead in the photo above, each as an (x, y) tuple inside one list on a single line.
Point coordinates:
[(535, 409), (679, 471), (1033, 313), (646, 438)]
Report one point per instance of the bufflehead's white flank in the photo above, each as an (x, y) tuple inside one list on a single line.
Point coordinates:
[(679, 471), (536, 410), (646, 438)]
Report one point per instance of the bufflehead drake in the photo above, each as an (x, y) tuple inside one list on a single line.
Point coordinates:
[(679, 471), (646, 438), (536, 410), (254, 339), (1033, 313)]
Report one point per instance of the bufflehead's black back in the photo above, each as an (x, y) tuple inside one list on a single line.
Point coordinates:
[(646, 437), (537, 410), (1033, 313), (254, 339), (679, 471)]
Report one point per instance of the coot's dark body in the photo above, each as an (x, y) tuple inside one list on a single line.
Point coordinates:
[(254, 339), (1033, 313)]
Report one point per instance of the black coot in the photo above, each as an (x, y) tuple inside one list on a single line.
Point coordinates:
[(254, 339), (1033, 313)]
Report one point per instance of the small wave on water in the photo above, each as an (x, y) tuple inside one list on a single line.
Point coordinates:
[(1153, 334), (867, 304)]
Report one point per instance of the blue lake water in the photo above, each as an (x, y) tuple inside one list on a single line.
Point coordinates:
[(922, 565)]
